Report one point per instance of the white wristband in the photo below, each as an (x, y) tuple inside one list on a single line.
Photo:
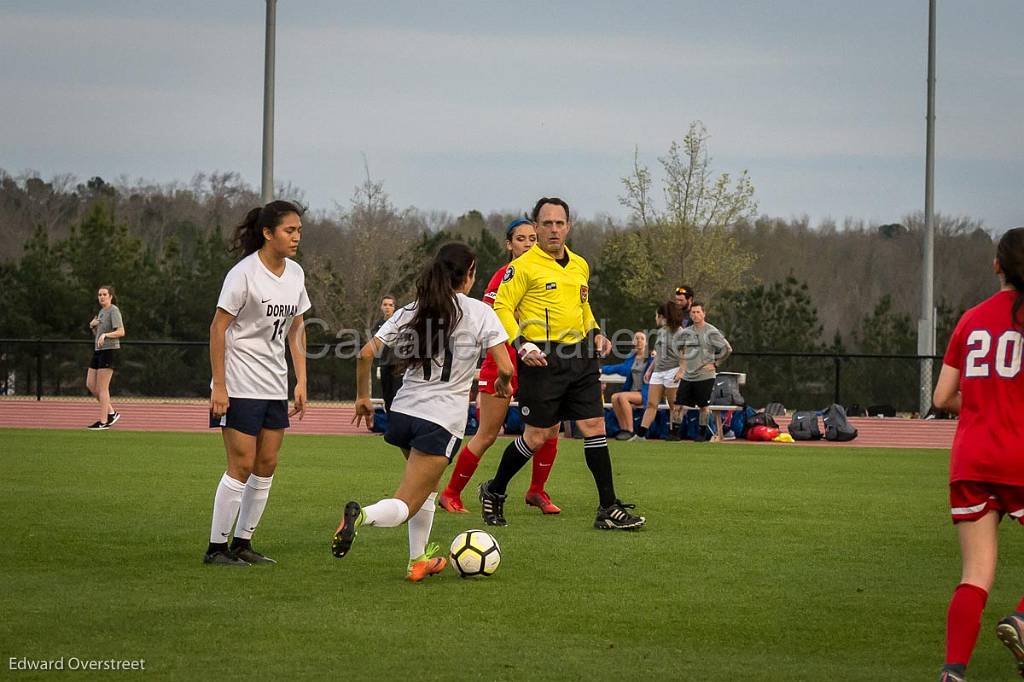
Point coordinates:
[(528, 348)]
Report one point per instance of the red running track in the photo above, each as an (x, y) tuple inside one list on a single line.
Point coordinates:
[(336, 419), (157, 416)]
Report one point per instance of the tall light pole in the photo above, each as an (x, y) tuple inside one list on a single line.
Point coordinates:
[(926, 325), (267, 191)]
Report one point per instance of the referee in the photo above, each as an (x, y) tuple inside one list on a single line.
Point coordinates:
[(559, 375)]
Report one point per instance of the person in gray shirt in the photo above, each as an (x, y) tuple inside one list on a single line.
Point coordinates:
[(704, 347), (107, 328), (661, 373)]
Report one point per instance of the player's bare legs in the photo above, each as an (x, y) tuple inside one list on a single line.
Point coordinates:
[(979, 549), (623, 403), (654, 395), (257, 456), (412, 503), (102, 392), (492, 411)]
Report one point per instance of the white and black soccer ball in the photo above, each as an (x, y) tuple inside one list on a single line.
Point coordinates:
[(475, 553)]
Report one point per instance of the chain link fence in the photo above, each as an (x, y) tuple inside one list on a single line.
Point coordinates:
[(180, 370)]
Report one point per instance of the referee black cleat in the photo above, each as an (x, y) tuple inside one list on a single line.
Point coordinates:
[(98, 426), (615, 517), (492, 506), (223, 557)]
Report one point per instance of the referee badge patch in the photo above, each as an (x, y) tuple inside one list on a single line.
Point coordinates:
[(510, 272), (584, 292)]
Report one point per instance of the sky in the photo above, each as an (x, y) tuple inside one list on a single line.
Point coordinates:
[(489, 105)]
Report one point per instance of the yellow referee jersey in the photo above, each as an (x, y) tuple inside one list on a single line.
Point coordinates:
[(553, 302)]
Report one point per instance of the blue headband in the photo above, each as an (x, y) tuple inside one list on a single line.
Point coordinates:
[(514, 224)]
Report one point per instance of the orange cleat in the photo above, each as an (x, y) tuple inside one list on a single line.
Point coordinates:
[(543, 502), (427, 564), (451, 502)]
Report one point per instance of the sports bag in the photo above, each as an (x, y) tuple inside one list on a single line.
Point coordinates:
[(804, 425), (726, 391), (762, 419), (691, 426), (740, 421), (837, 428)]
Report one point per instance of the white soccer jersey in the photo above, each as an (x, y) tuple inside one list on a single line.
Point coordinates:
[(438, 391), (263, 305)]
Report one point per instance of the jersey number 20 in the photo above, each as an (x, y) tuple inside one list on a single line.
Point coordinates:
[(1007, 356)]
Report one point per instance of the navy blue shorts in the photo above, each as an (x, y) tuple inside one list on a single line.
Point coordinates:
[(408, 432), (249, 415)]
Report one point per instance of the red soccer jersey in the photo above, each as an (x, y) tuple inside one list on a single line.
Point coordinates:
[(489, 370), (986, 348), (491, 292)]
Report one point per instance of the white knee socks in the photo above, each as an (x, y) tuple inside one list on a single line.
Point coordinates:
[(386, 513), (254, 501), (419, 528), (225, 508)]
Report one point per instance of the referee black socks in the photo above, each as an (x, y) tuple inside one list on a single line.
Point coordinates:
[(595, 448), (515, 457)]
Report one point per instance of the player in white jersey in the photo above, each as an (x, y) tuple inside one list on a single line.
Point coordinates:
[(261, 304), (439, 337)]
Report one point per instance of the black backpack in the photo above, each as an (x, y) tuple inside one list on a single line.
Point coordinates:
[(837, 428), (881, 411), (727, 391), (762, 419), (804, 425)]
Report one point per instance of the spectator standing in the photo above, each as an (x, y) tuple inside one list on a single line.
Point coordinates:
[(683, 297), (661, 375), (108, 330), (704, 348), (390, 377)]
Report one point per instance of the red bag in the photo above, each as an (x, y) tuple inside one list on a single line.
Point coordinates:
[(762, 433)]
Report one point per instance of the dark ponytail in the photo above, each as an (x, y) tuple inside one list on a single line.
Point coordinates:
[(437, 313), (249, 234), (1010, 255), (672, 313)]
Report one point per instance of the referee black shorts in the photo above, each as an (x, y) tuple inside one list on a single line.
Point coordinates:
[(569, 387)]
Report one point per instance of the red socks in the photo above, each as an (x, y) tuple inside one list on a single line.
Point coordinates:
[(465, 467), (963, 622), (543, 459), (467, 462)]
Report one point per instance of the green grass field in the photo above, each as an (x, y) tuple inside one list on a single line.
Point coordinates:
[(758, 563)]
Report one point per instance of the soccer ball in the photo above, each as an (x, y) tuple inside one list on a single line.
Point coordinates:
[(475, 552)]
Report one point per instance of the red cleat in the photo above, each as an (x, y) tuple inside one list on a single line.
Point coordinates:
[(543, 502), (452, 503)]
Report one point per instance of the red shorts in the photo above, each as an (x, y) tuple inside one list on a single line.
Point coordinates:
[(489, 372), (970, 500)]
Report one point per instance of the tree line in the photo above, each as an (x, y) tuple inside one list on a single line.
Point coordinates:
[(769, 283)]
